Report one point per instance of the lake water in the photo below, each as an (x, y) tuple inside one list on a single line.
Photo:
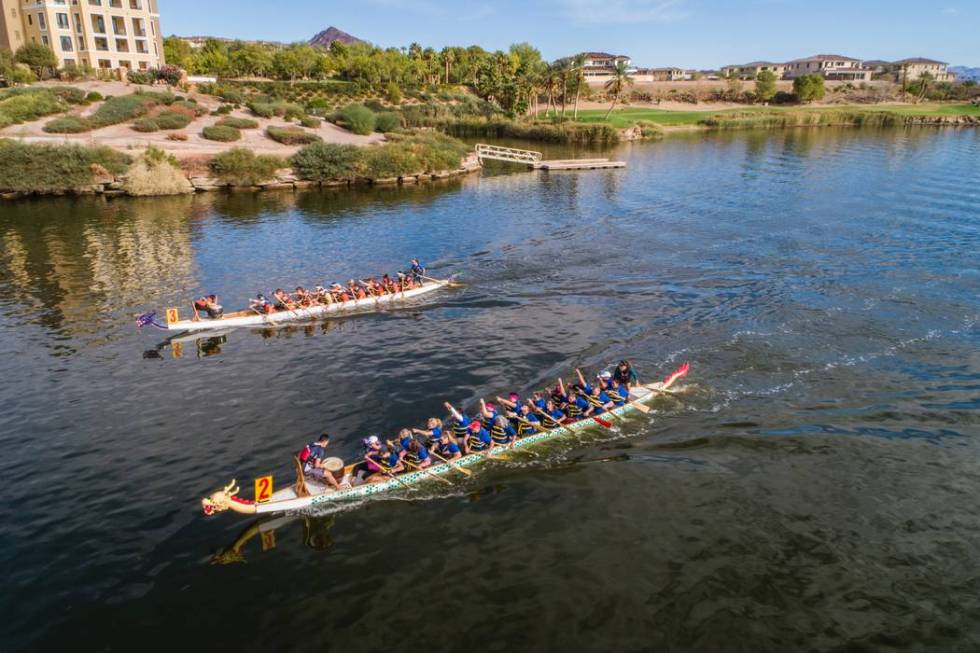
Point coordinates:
[(814, 488)]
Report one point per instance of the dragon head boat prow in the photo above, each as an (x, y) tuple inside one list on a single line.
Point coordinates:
[(226, 499)]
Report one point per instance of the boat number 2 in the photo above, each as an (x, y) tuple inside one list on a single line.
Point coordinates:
[(263, 488)]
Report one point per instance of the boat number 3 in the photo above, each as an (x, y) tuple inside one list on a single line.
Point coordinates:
[(263, 489), (172, 315)]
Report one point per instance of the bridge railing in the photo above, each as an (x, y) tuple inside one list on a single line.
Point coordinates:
[(484, 151)]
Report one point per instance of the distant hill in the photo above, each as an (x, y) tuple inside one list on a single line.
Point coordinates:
[(331, 34), (964, 72)]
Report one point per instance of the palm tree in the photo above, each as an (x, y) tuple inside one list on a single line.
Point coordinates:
[(620, 80), (578, 66), (565, 71)]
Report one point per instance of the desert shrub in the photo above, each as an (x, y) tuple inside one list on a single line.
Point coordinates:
[(126, 107), (393, 160), (358, 119), (387, 121), (291, 135), (156, 173), (193, 107), (141, 77), (70, 94), (172, 120), (146, 125), (238, 123), (94, 96), (241, 167), (221, 133), (19, 105), (310, 121), (67, 125), (326, 161), (22, 75), (393, 93), (223, 110), (41, 168), (177, 136), (318, 106), (271, 109), (375, 105)]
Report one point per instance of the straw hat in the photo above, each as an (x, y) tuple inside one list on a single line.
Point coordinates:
[(333, 464)]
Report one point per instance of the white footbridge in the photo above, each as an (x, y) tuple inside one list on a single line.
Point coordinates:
[(535, 161)]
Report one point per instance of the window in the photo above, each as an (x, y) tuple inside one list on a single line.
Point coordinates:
[(101, 43), (78, 22), (115, 3), (66, 44), (138, 28), (118, 25), (62, 20), (96, 3), (30, 21), (144, 65), (40, 21), (69, 62), (98, 24), (44, 39), (81, 43), (141, 47), (135, 4), (122, 45), (125, 64), (104, 63)]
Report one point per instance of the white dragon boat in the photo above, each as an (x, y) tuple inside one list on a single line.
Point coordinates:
[(249, 318), (307, 494)]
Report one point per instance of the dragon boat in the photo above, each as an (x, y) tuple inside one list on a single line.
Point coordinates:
[(249, 318), (306, 494)]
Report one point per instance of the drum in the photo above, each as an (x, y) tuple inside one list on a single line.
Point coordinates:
[(334, 466)]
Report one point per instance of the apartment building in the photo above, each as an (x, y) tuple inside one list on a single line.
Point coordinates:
[(600, 65), (106, 34)]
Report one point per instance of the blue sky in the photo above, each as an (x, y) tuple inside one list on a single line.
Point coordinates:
[(685, 33)]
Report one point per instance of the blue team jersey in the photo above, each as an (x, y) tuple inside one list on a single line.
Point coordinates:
[(404, 442), (423, 454), (540, 403), (450, 449), (436, 433), (393, 459), (582, 403)]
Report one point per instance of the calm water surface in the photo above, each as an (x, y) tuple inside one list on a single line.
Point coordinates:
[(814, 489)]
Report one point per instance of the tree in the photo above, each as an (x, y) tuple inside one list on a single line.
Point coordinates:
[(765, 85), (6, 63), (177, 52), (246, 59), (734, 85), (808, 88), (39, 58), (578, 66), (620, 80)]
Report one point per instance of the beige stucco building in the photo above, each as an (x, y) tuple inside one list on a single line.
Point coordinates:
[(105, 34), (752, 70), (910, 70), (830, 66)]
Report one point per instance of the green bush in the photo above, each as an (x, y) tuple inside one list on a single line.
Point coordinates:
[(191, 105), (358, 119), (241, 167), (141, 77), (387, 121), (394, 93), (326, 161), (223, 110), (221, 133), (68, 125), (94, 96), (69, 94), (291, 135), (146, 125), (238, 123), (18, 105), (41, 168), (392, 160), (310, 121), (318, 106), (172, 120), (22, 75), (126, 107), (271, 109)]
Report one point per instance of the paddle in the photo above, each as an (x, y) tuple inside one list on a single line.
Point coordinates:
[(448, 282), (429, 472), (452, 464), (679, 373)]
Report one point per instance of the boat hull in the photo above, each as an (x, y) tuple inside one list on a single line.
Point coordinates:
[(286, 500), (312, 312)]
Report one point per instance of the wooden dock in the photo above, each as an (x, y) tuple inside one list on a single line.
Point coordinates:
[(534, 160)]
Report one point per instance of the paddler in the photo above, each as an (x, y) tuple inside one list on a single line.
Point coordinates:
[(281, 300), (625, 374), (478, 439), (382, 462), (618, 392), (525, 420), (261, 305), (552, 416), (460, 425), (418, 270), (209, 304), (448, 448), (432, 432), (597, 398), (417, 455), (502, 432)]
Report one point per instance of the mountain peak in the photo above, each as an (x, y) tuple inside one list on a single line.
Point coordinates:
[(331, 34)]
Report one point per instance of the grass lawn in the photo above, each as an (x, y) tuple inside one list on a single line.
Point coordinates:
[(628, 116)]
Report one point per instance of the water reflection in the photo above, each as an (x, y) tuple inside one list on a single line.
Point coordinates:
[(316, 535)]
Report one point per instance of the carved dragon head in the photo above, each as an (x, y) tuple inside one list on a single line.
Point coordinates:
[(220, 501)]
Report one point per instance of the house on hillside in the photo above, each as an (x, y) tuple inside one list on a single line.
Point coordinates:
[(599, 65), (909, 70), (829, 66), (752, 70), (660, 75)]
